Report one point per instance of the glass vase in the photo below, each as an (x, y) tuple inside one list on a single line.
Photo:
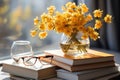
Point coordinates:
[(74, 45)]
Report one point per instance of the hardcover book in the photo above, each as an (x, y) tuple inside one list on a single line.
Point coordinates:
[(91, 57), (87, 74), (80, 67), (36, 72)]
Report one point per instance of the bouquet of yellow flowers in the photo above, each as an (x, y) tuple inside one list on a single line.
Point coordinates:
[(70, 21), (73, 19)]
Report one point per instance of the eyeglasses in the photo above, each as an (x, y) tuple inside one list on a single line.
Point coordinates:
[(31, 60)]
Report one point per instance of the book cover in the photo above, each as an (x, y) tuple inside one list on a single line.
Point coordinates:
[(91, 57), (37, 71), (85, 75), (80, 67)]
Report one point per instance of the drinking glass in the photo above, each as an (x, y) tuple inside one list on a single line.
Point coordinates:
[(20, 49)]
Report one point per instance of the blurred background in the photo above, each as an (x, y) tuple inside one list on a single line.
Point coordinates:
[(16, 21)]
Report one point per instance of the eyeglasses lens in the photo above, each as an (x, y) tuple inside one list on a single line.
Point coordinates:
[(30, 61)]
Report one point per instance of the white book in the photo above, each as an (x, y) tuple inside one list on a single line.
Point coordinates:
[(87, 74), (37, 71)]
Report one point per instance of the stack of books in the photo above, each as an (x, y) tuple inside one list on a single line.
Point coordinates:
[(93, 65), (35, 72)]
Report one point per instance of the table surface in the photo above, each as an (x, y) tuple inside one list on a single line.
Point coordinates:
[(5, 76)]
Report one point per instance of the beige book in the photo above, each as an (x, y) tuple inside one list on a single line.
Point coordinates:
[(36, 72), (92, 56), (80, 67)]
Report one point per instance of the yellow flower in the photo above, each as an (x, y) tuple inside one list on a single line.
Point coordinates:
[(68, 4), (67, 14), (108, 18), (50, 26), (98, 24), (36, 21), (42, 26), (94, 35), (59, 29), (84, 8), (89, 17), (98, 13), (90, 29), (42, 35), (84, 36), (71, 5), (70, 10), (33, 33), (51, 10), (67, 31)]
